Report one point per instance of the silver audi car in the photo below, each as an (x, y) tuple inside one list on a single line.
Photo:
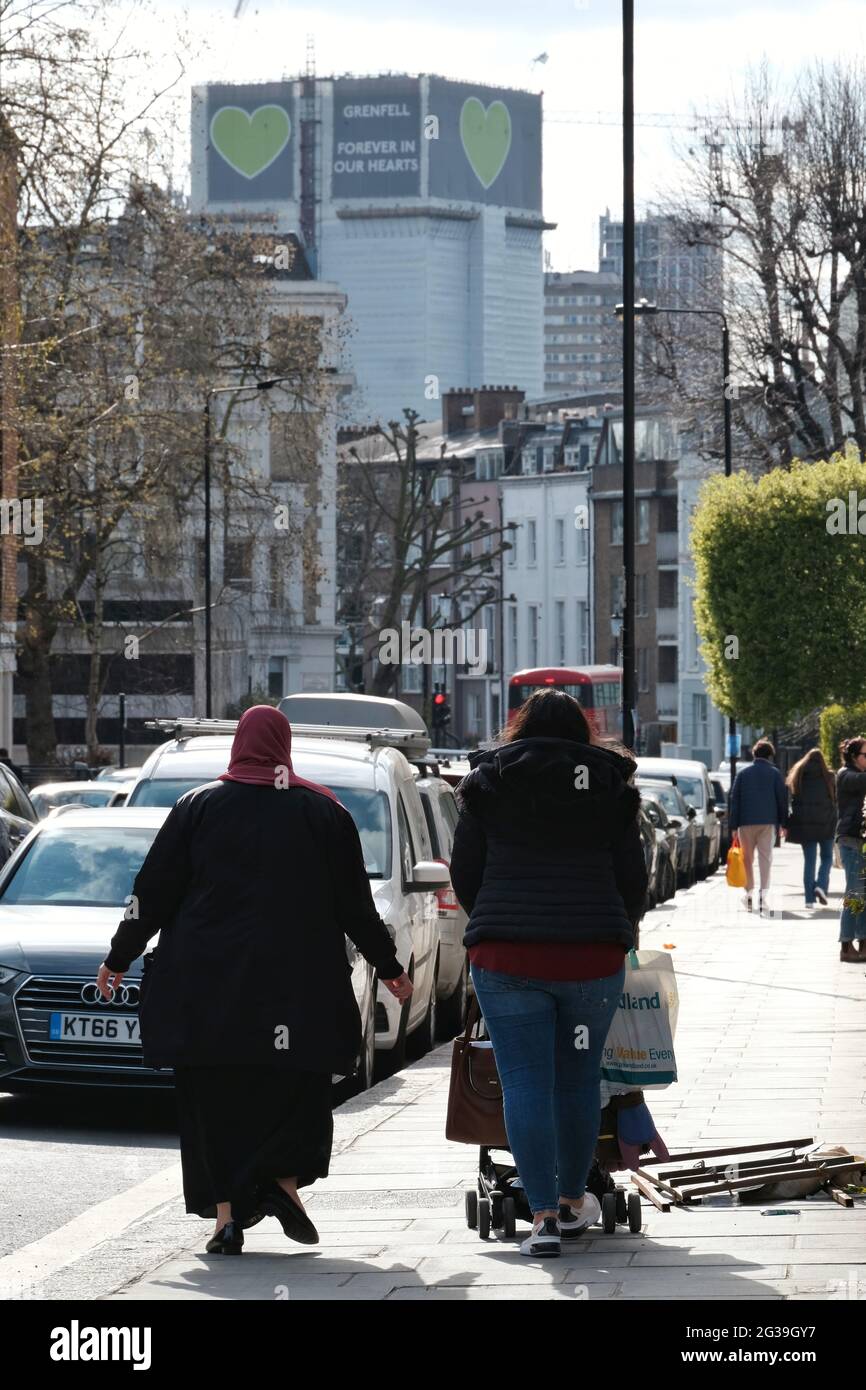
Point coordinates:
[(62, 895)]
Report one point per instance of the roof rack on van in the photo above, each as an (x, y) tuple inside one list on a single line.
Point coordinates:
[(411, 742)]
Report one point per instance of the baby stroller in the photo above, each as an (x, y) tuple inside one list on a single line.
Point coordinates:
[(498, 1199)]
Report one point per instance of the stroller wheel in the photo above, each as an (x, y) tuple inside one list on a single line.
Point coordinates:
[(496, 1211), (634, 1211), (608, 1213), (621, 1208), (470, 1198), (484, 1218), (509, 1218)]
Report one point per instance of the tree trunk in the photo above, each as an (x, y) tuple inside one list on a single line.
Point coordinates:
[(94, 678)]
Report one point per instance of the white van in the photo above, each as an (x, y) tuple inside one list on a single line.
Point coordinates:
[(377, 785)]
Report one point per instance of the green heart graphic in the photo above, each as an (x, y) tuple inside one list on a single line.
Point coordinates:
[(250, 142), (486, 137)]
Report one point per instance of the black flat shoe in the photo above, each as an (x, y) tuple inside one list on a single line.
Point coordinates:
[(229, 1240), (293, 1219)]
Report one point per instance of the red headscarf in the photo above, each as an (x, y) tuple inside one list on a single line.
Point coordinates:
[(262, 752)]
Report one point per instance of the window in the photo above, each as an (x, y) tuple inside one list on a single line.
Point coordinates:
[(667, 514), (533, 634), (668, 589), (667, 664), (582, 631), (643, 668), (294, 446), (559, 547), (513, 652), (617, 593), (276, 677), (700, 718), (512, 537), (559, 615), (277, 575), (473, 713), (641, 589), (582, 544), (490, 628), (237, 562), (616, 518), (531, 543), (643, 509)]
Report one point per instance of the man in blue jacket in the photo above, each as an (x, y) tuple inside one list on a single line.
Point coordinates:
[(759, 806)]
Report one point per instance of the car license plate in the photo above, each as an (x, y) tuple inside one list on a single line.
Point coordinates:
[(116, 1028)]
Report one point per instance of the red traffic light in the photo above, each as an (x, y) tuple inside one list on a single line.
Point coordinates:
[(439, 698)]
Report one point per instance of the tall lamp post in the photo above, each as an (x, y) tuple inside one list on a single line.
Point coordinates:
[(265, 385), (628, 390), (644, 307)]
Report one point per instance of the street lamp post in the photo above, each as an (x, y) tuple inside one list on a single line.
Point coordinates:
[(628, 386), (264, 385), (644, 307)]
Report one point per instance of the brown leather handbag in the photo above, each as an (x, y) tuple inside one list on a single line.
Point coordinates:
[(475, 1111)]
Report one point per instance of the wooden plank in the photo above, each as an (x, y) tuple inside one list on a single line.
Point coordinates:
[(843, 1198), (690, 1175), (650, 1193), (782, 1175), (720, 1153), (675, 1174)]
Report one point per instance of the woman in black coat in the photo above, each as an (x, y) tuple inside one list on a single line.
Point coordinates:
[(851, 797), (548, 862), (812, 822), (253, 882)]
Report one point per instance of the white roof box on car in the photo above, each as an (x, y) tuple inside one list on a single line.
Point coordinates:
[(352, 711)]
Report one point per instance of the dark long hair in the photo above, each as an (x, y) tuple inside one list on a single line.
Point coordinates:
[(549, 714), (814, 758)]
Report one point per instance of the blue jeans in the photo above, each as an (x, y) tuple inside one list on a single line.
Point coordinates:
[(548, 1037), (810, 855), (852, 925)]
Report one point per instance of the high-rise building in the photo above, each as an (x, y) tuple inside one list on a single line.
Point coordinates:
[(419, 197), (582, 338), (667, 269)]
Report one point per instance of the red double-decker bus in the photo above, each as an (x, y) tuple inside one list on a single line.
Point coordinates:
[(598, 688)]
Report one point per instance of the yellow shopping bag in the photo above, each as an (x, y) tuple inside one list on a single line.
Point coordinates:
[(736, 871)]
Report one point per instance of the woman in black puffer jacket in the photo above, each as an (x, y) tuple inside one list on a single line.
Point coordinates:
[(548, 862)]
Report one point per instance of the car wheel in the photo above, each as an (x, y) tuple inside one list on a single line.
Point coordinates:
[(367, 1068), (452, 1011), (393, 1059), (423, 1039)]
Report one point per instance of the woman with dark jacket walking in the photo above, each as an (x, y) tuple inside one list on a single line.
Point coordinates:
[(252, 882), (812, 821), (850, 794), (548, 862)]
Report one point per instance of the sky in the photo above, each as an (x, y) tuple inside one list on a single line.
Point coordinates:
[(689, 55)]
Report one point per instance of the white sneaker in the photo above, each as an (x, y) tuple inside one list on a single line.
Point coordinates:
[(747, 901), (544, 1240), (573, 1221)]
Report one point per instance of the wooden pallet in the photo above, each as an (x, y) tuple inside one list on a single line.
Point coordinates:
[(732, 1172)]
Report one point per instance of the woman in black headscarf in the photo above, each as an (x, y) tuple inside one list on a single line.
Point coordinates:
[(253, 882)]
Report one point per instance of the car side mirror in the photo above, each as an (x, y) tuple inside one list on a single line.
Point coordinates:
[(676, 822), (428, 875), (691, 813)]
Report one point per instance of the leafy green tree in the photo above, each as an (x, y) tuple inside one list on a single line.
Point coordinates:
[(780, 588), (839, 722)]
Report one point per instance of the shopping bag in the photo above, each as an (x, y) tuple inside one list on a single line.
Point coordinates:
[(639, 1049), (736, 870)]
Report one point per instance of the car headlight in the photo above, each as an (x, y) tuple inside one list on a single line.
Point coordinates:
[(7, 975)]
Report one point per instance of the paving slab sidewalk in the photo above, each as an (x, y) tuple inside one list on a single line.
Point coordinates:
[(770, 1046)]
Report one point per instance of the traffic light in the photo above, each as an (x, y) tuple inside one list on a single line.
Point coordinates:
[(441, 710)]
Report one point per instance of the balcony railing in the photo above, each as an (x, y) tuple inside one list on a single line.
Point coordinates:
[(666, 623)]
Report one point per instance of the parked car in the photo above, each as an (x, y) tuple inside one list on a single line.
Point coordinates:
[(693, 780), (720, 785), (440, 808), (117, 774), (651, 856), (682, 818), (49, 795), (61, 897), (16, 808), (377, 785), (668, 843)]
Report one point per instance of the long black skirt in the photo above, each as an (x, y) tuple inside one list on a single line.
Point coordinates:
[(241, 1127)]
